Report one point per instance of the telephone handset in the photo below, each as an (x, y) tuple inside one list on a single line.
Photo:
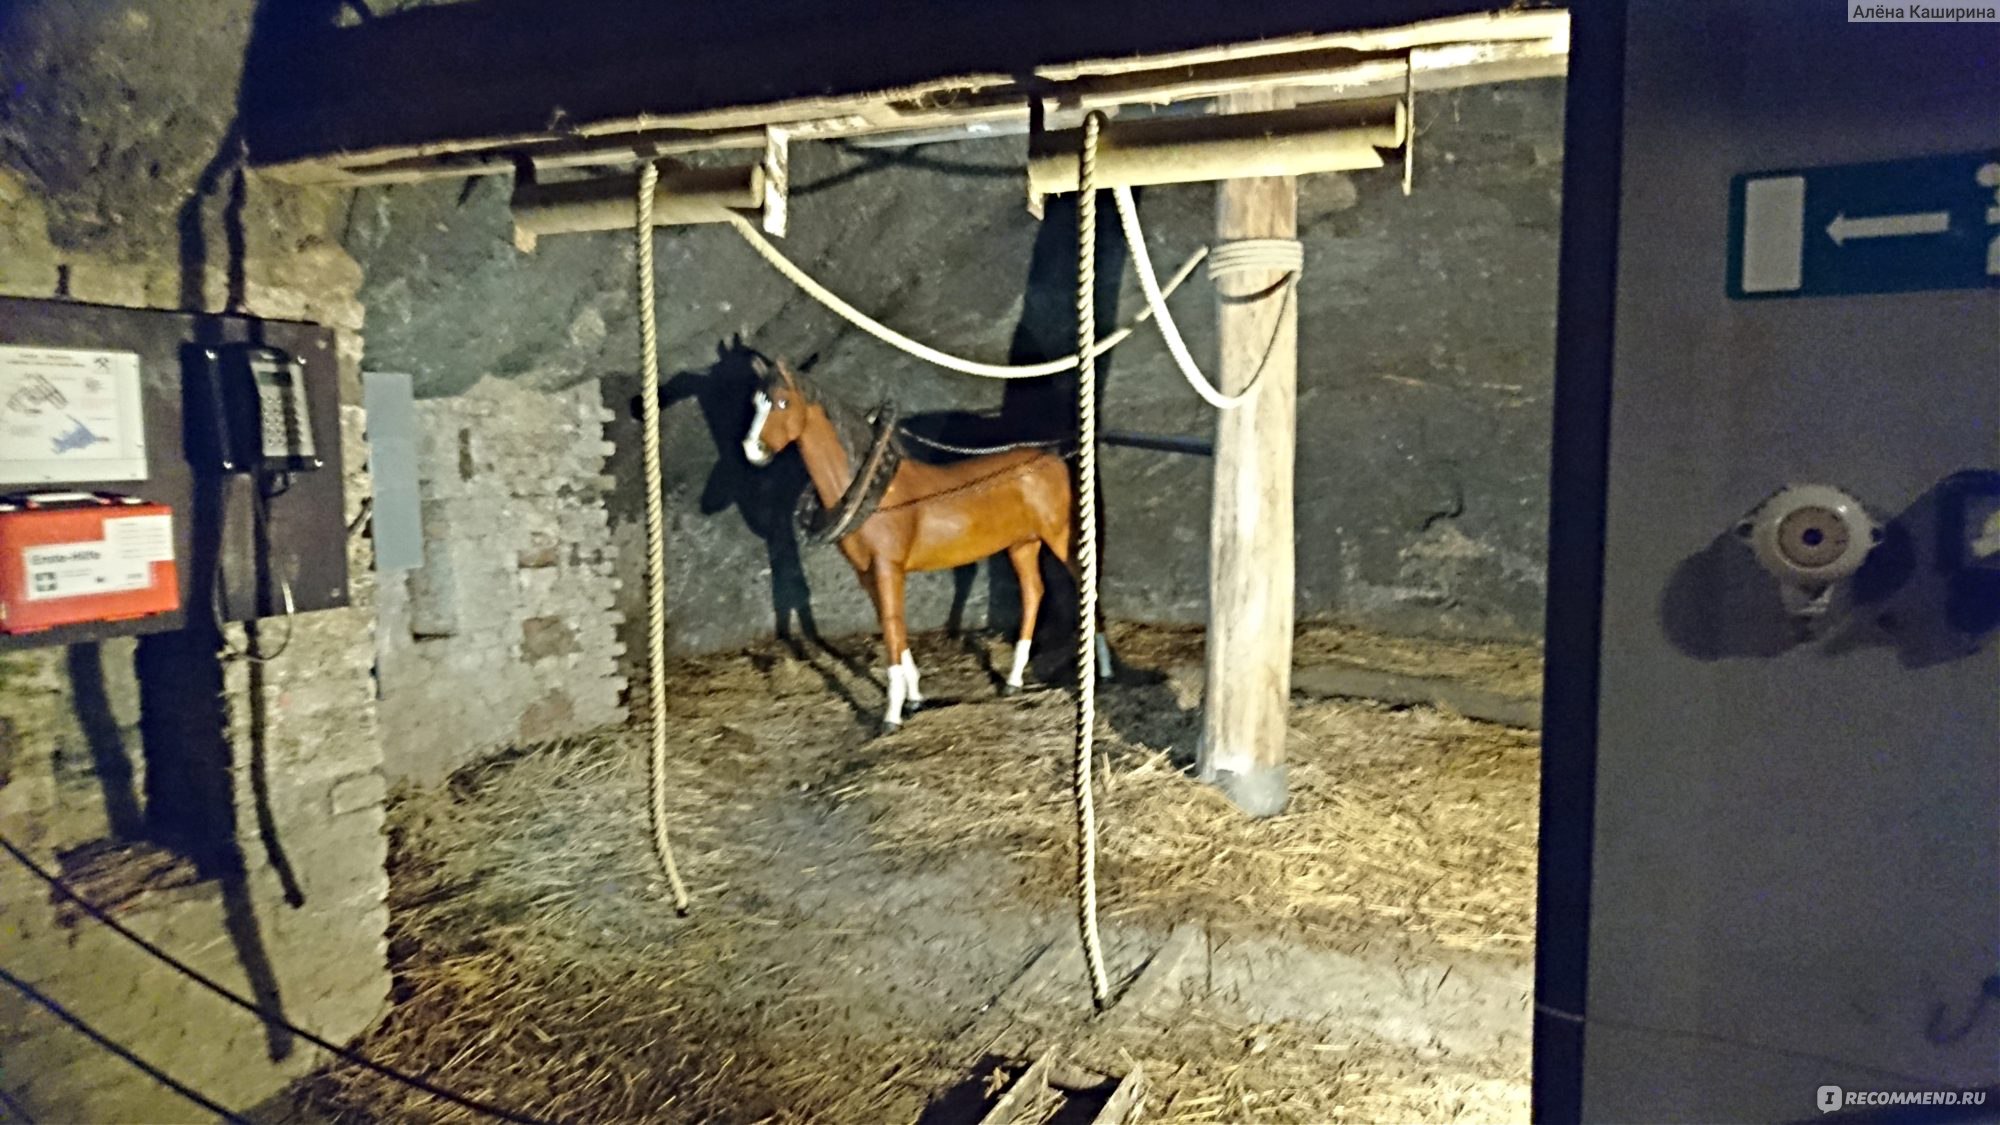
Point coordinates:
[(263, 421)]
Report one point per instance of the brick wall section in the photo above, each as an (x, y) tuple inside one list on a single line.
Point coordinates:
[(508, 632)]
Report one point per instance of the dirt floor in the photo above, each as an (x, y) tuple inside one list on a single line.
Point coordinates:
[(861, 902)]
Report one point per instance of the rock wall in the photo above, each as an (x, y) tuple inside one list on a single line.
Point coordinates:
[(508, 633), (231, 812), (1427, 337)]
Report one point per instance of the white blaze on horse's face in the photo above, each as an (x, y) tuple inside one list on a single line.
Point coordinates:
[(753, 442)]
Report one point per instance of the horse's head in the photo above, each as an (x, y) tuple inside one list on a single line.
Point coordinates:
[(781, 401)]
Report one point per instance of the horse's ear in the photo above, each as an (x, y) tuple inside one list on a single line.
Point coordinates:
[(760, 366), (785, 372)]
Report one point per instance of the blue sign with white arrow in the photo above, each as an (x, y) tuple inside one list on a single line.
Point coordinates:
[(1897, 226)]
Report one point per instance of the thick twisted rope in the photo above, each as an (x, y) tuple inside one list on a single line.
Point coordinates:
[(923, 351), (656, 538), (1086, 556)]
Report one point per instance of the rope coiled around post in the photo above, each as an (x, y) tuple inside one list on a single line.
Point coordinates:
[(656, 538), (1086, 556), (1255, 255), (1240, 256)]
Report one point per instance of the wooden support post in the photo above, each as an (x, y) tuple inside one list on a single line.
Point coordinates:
[(1250, 561)]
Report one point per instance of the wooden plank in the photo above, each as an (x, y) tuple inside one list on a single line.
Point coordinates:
[(685, 196), (1158, 985), (1049, 1077), (1058, 968), (1126, 1101), (1042, 1087), (1546, 23), (1470, 700), (1251, 566), (1499, 62), (1289, 142), (1029, 1098)]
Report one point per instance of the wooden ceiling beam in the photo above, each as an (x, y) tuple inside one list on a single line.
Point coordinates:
[(1444, 54)]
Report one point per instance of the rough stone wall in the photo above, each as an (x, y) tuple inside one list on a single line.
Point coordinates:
[(508, 632), (117, 186), (1427, 338)]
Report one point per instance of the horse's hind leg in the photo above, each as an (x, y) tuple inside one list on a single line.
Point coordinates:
[(1027, 560), (912, 698), (887, 585), (1058, 540)]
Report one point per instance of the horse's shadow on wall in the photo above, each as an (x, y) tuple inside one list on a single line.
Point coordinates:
[(765, 500)]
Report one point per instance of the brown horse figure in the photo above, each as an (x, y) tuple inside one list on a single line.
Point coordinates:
[(924, 517)]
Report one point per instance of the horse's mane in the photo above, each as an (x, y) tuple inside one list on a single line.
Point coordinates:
[(851, 425)]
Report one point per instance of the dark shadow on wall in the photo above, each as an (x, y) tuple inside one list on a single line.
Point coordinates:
[(110, 759), (184, 718), (1046, 408), (1922, 592)]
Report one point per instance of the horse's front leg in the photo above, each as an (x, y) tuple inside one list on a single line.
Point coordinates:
[(1026, 558), (887, 583)]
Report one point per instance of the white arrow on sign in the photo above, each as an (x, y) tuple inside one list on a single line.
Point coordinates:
[(1843, 228)]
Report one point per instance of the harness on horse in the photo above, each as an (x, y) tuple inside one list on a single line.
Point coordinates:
[(985, 450), (819, 525)]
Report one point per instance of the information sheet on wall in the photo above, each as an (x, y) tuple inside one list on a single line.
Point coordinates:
[(69, 416)]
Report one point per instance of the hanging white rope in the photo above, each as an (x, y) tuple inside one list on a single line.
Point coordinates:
[(1086, 556), (923, 351), (1241, 256), (656, 537)]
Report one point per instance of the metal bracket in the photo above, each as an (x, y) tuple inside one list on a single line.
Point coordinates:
[(777, 181), (1038, 123), (1409, 120)]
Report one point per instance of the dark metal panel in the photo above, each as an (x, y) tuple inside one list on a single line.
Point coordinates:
[(213, 512), (1795, 830)]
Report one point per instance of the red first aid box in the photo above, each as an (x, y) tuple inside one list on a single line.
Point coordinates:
[(73, 557)]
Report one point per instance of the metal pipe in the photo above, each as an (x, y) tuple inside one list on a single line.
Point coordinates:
[(1163, 443)]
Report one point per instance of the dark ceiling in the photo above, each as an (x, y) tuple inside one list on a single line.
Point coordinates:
[(494, 68)]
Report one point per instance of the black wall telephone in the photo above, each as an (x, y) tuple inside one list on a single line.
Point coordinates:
[(262, 422)]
